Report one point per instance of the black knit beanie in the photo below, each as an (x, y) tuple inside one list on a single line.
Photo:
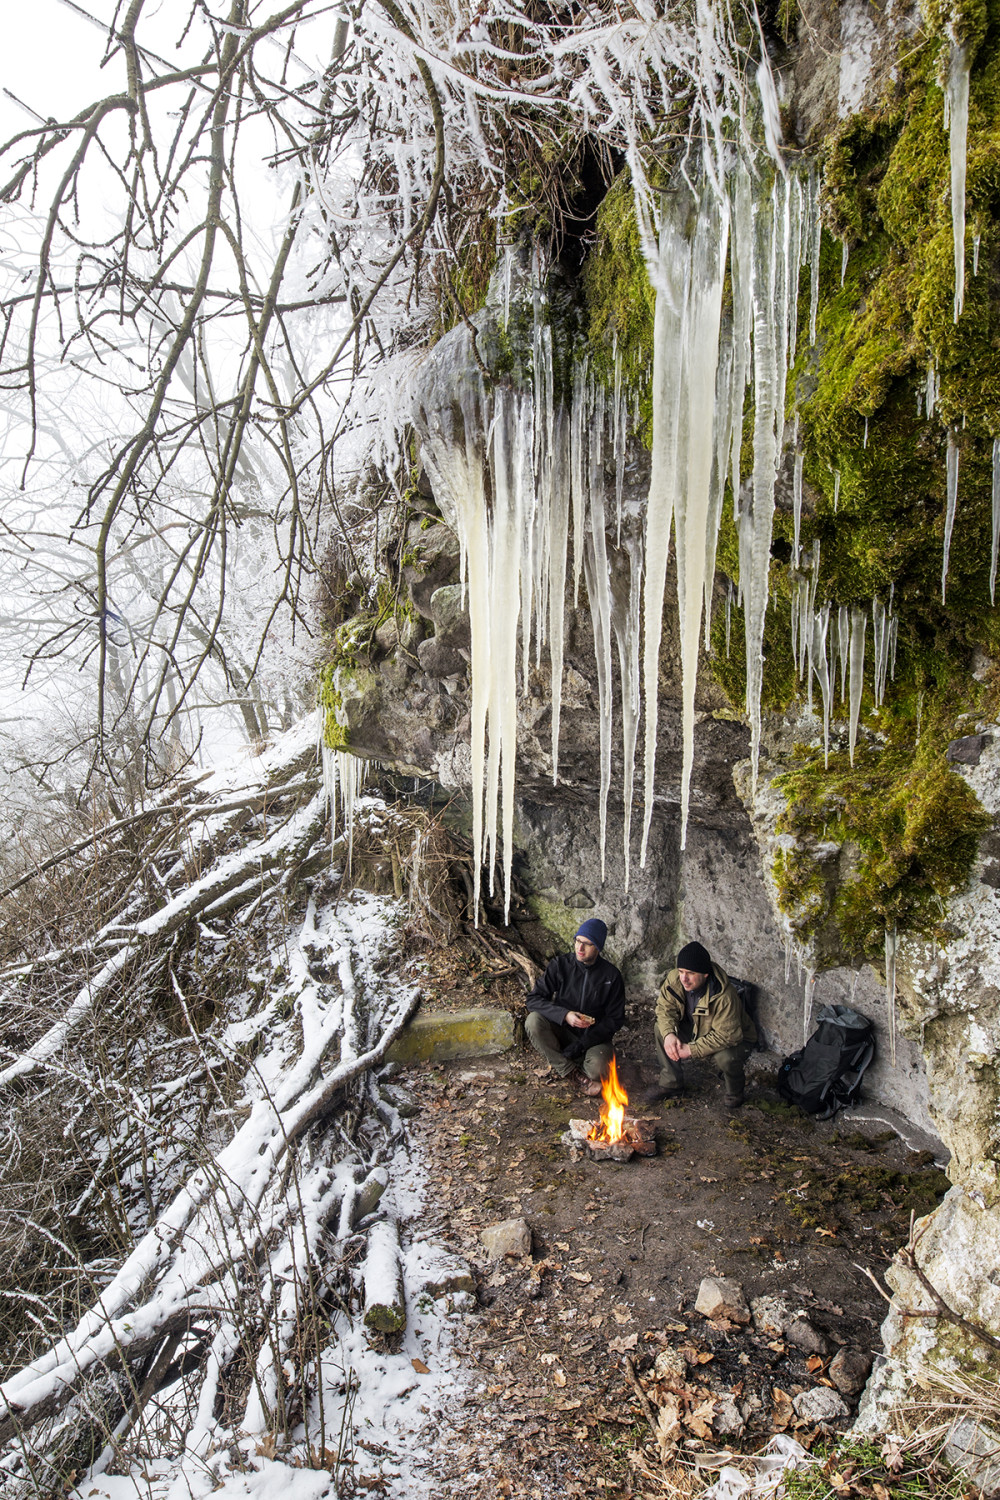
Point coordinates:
[(694, 957)]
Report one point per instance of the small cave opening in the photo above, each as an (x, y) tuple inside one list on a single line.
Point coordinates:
[(590, 175)]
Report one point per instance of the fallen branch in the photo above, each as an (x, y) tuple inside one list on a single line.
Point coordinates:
[(289, 844), (115, 1327)]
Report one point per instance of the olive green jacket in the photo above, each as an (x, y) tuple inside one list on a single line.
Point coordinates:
[(720, 1017)]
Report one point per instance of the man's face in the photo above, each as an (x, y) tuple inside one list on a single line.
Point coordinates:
[(586, 952), (690, 980)]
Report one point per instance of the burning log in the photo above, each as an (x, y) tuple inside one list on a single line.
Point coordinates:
[(615, 1136)]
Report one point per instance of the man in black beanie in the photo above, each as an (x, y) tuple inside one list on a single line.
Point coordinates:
[(575, 1008), (700, 1016)]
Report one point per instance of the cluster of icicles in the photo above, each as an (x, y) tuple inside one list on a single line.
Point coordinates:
[(522, 470)]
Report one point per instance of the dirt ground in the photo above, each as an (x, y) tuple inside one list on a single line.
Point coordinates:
[(565, 1341)]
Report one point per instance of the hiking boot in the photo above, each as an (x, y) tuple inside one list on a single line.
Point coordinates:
[(590, 1087), (657, 1094), (553, 1080), (734, 1101)]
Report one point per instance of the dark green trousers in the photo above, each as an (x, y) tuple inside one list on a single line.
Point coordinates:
[(548, 1039), (729, 1061)]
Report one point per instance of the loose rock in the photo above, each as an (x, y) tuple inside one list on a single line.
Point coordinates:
[(819, 1405), (800, 1332), (727, 1421), (770, 1316), (718, 1297), (973, 1447), (512, 1237), (849, 1370)]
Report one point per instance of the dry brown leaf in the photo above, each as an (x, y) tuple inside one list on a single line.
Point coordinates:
[(420, 1367), (558, 1378), (622, 1314), (814, 1363), (830, 1233), (547, 1359), (581, 1275), (700, 1420), (668, 1425), (880, 1492), (561, 1245), (623, 1344)]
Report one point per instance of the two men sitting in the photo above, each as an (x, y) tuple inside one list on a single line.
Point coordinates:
[(578, 1004)]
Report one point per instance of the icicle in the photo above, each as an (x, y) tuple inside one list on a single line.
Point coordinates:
[(844, 252), (890, 989), (597, 574), (508, 460), (742, 279), (666, 393), (865, 444), (931, 392), (729, 611), (807, 1003), (348, 774), (558, 558), (619, 435), (957, 124), (859, 625), (821, 668), (771, 109), (836, 490), (688, 278), (996, 519), (817, 239), (794, 263), (768, 297), (577, 440), (693, 501), (720, 466), (951, 482), (626, 627), (843, 647), (797, 497), (975, 254), (881, 639)]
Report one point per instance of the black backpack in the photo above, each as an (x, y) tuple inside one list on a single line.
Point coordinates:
[(748, 994), (825, 1074)]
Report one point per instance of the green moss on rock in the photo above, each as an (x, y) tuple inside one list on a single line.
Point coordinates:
[(910, 823)]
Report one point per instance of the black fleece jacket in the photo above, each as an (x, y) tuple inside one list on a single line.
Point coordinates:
[(597, 991)]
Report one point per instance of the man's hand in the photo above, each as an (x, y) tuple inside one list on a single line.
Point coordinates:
[(675, 1049), (578, 1019)]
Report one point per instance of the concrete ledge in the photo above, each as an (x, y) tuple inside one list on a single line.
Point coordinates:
[(439, 1036)]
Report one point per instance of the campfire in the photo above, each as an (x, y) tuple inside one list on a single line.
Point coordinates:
[(616, 1136)]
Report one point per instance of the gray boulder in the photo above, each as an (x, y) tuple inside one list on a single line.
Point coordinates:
[(512, 1237)]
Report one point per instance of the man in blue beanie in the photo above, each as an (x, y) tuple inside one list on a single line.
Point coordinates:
[(699, 1015), (575, 1009)]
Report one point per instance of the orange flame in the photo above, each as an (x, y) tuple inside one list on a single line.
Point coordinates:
[(613, 1102)]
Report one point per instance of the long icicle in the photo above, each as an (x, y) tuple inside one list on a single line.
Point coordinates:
[(951, 486), (692, 514), (673, 256), (859, 625), (769, 318)]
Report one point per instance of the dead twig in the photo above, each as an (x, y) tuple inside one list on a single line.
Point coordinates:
[(644, 1401)]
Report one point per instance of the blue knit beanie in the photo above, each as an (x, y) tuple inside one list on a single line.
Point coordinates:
[(594, 930)]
